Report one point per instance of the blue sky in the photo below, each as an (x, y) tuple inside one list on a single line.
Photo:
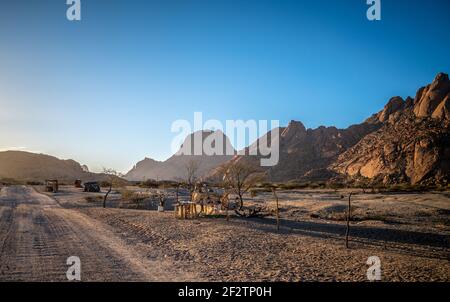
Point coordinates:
[(105, 91)]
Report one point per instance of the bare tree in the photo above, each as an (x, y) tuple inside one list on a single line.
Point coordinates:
[(240, 177), (114, 179), (191, 167)]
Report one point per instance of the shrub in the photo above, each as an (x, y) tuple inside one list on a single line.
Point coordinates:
[(105, 184), (336, 185), (10, 182), (93, 198), (149, 183), (34, 183), (405, 187), (293, 185), (134, 197), (253, 192)]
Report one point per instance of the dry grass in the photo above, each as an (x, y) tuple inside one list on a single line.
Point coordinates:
[(93, 198)]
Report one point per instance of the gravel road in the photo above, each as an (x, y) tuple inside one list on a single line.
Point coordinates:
[(37, 236)]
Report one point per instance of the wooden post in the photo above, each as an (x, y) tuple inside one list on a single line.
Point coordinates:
[(278, 208), (228, 209), (347, 232)]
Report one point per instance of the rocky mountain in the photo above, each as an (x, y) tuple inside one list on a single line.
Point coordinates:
[(26, 166), (412, 146), (174, 168), (406, 142), (305, 154)]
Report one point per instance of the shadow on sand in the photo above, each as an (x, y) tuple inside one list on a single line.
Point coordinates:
[(430, 245)]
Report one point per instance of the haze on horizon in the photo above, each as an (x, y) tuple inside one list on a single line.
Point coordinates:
[(105, 91)]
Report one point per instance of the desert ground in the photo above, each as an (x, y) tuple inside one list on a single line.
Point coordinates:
[(129, 242)]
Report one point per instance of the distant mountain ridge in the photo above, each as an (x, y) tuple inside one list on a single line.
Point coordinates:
[(408, 141), (27, 166), (174, 168)]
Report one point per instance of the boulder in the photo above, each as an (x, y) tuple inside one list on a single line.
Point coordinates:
[(430, 97)]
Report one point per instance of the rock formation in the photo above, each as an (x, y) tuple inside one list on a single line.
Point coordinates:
[(431, 100), (406, 142), (174, 168), (412, 146), (305, 154)]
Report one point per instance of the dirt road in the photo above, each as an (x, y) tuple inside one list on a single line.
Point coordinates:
[(39, 232), (37, 236)]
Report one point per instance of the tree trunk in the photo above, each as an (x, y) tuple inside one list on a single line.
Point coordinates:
[(347, 232), (106, 196), (241, 201), (226, 201), (241, 205)]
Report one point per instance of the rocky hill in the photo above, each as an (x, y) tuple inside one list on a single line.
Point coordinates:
[(26, 166), (174, 168), (406, 142), (305, 154), (412, 146)]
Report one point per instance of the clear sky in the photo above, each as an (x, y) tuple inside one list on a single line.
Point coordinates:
[(105, 91)]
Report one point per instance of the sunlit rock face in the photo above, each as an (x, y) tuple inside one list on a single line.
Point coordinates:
[(432, 100), (412, 146)]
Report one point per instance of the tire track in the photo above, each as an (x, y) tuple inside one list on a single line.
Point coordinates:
[(38, 235)]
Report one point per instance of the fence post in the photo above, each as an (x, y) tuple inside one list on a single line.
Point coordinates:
[(347, 232), (278, 208)]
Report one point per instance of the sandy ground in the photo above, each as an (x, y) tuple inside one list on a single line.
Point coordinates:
[(408, 232), (37, 236)]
